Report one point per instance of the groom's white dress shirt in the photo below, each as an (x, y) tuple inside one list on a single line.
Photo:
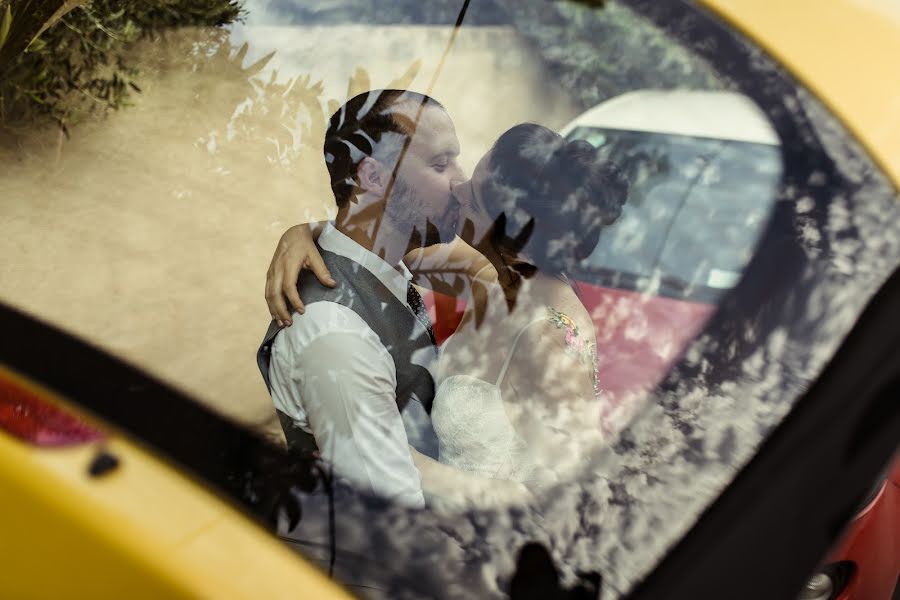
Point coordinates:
[(330, 372)]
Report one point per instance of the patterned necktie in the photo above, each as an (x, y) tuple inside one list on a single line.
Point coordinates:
[(418, 307)]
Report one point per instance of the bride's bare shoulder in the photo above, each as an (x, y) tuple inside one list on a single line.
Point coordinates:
[(486, 273)]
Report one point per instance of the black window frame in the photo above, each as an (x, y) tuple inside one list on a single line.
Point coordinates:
[(851, 444)]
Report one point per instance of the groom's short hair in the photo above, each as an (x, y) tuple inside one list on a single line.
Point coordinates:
[(358, 129)]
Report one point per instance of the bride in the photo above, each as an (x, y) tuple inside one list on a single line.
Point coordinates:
[(517, 398)]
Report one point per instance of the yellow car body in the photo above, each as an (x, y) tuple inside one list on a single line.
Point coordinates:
[(141, 530), (148, 530), (842, 51)]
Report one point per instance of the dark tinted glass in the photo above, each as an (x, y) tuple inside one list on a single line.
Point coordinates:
[(713, 301)]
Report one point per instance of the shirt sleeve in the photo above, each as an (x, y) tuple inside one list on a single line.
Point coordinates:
[(343, 381)]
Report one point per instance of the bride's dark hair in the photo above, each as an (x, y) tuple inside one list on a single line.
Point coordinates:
[(558, 193)]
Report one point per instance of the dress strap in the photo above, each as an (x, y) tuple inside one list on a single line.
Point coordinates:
[(512, 350)]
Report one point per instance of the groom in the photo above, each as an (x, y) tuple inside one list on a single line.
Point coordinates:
[(349, 379)]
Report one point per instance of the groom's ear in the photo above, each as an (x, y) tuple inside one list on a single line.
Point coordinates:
[(370, 174)]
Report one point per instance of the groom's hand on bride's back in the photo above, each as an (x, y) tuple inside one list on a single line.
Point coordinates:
[(296, 250)]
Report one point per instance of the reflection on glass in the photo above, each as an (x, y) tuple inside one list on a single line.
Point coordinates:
[(682, 184), (568, 302), (704, 168)]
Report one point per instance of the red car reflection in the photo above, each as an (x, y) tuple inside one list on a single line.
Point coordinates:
[(653, 282)]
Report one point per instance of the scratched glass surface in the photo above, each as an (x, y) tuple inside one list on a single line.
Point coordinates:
[(742, 255)]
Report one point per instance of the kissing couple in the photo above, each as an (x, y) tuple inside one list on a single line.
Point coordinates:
[(509, 403)]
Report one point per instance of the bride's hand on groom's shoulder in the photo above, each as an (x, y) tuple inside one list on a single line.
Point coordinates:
[(296, 250)]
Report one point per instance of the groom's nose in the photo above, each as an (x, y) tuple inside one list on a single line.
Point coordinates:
[(457, 176), (454, 185)]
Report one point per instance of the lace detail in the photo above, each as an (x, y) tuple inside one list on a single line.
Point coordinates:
[(473, 429), (474, 432)]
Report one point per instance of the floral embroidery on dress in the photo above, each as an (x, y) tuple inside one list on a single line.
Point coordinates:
[(577, 345)]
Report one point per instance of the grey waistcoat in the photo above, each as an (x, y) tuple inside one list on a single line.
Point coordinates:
[(396, 326)]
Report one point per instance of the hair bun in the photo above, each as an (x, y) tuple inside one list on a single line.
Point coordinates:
[(572, 157), (592, 191), (566, 187)]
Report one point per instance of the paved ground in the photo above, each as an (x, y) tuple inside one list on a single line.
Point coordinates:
[(149, 232)]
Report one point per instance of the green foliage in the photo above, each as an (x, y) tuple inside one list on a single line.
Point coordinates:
[(5, 25), (593, 49), (80, 63), (281, 120)]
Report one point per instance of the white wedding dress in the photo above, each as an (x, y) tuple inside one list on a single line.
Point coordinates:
[(474, 431), (469, 415)]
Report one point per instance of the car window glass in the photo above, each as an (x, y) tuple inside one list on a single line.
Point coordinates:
[(614, 363), (679, 182)]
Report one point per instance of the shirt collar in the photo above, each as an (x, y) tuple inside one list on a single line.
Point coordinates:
[(396, 281)]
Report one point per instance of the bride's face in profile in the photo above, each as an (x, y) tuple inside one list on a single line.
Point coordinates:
[(474, 219), (479, 207)]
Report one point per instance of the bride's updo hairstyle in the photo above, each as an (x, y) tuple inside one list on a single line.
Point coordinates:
[(559, 194)]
